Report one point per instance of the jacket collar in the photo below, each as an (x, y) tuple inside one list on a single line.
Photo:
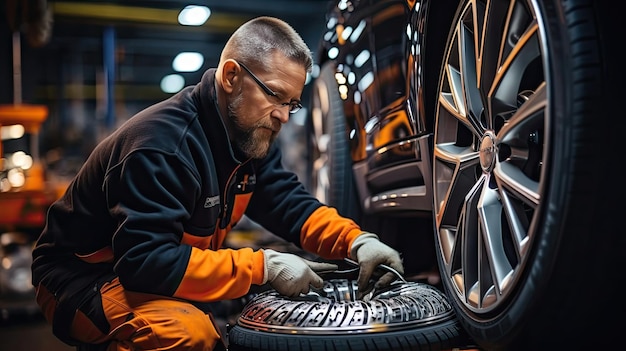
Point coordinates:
[(205, 97)]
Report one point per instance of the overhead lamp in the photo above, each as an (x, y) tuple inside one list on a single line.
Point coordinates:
[(194, 15), (188, 62), (172, 83)]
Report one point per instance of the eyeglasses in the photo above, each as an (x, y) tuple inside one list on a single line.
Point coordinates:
[(294, 105)]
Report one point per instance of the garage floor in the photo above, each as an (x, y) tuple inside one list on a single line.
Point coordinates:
[(31, 333)]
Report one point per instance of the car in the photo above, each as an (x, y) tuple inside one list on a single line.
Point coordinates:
[(498, 122)]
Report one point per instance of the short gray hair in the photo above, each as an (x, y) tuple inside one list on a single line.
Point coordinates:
[(255, 41)]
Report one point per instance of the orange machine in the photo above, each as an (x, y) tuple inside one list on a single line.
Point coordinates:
[(25, 197)]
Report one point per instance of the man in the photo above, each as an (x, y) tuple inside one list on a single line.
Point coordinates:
[(136, 239)]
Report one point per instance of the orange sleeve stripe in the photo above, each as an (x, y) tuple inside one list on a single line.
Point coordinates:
[(328, 234), (202, 242), (220, 275)]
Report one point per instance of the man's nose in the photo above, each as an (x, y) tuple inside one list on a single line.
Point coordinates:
[(281, 112)]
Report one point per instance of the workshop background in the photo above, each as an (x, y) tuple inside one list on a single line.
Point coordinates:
[(70, 73)]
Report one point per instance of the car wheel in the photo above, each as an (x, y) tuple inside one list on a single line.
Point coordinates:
[(331, 180), (403, 316), (523, 206)]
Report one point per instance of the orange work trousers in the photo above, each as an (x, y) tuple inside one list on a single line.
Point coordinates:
[(140, 321)]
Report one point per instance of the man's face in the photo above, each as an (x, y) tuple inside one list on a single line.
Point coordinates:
[(255, 117)]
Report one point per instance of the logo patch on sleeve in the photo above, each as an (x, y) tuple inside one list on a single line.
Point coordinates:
[(212, 201)]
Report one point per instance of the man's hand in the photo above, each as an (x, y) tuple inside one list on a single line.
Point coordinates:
[(292, 275), (370, 252)]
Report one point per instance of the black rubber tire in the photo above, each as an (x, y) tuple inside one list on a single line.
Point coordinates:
[(341, 192), (568, 292), (432, 338)]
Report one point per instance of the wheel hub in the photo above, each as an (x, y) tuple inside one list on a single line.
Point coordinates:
[(487, 151)]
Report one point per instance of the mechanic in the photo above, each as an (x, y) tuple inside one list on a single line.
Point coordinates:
[(135, 243)]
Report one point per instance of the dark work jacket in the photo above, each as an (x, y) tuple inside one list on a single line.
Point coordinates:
[(154, 201)]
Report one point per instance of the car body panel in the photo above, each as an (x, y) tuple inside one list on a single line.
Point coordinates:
[(386, 131)]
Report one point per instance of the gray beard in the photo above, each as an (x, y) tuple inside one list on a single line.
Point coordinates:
[(247, 140)]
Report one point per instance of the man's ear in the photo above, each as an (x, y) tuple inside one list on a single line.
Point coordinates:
[(230, 78)]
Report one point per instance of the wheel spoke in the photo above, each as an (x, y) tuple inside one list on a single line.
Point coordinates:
[(469, 72), (504, 92), (494, 265), (458, 164)]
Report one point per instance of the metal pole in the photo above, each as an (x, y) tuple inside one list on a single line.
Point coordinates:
[(17, 69), (109, 75)]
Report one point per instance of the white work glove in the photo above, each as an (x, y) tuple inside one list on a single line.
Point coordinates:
[(291, 275), (370, 252)]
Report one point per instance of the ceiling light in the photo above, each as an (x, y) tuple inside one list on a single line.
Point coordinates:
[(172, 83), (188, 62), (194, 15)]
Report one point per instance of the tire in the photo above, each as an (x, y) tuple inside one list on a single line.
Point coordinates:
[(332, 179), (405, 316), (525, 223)]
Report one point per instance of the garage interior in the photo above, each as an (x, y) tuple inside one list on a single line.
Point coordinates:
[(94, 65)]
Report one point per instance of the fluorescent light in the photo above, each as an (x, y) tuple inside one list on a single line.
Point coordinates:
[(188, 62), (194, 15), (172, 83)]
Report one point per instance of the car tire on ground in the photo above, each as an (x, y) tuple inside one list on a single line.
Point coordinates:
[(404, 316), (332, 181)]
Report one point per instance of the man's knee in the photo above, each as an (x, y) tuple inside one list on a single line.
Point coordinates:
[(184, 328)]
